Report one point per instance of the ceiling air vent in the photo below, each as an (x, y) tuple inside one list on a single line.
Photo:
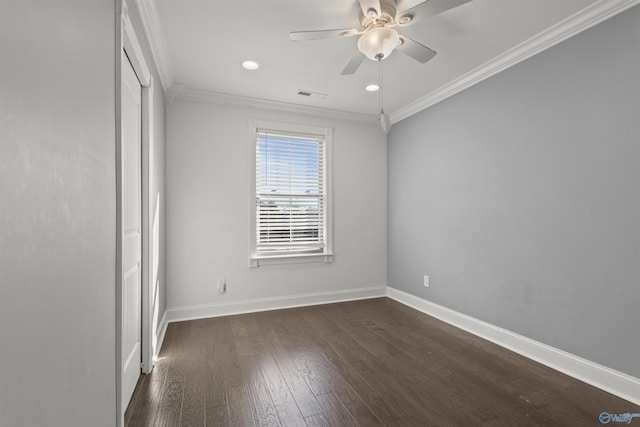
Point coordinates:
[(310, 94)]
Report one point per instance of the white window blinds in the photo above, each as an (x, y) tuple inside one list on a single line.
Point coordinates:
[(290, 192)]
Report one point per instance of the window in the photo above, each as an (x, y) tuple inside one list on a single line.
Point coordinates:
[(290, 197)]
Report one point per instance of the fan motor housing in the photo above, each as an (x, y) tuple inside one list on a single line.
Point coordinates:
[(387, 16)]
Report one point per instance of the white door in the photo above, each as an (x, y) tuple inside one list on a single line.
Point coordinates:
[(131, 229)]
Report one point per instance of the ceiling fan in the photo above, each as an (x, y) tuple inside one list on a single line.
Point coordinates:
[(377, 37)]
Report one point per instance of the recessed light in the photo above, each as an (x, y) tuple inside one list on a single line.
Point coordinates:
[(373, 87), (250, 65)]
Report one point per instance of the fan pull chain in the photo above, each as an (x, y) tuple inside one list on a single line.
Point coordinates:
[(381, 97), (383, 118)]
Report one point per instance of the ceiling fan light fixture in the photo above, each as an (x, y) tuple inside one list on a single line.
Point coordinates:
[(250, 65), (378, 43), (373, 87)]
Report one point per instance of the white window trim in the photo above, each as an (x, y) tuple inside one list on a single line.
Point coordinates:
[(256, 260)]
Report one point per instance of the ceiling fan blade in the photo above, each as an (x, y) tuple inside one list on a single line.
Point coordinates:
[(322, 34), (353, 64), (417, 51), (429, 8), (369, 7)]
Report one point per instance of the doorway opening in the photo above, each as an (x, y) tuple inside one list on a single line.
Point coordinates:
[(137, 216)]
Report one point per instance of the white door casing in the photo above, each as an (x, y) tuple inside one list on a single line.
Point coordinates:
[(131, 214), (129, 54)]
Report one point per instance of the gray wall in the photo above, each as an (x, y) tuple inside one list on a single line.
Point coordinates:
[(520, 198), (208, 149), (57, 215), (58, 207)]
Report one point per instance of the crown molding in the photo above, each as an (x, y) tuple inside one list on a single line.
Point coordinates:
[(171, 93), (243, 101), (159, 50), (578, 22)]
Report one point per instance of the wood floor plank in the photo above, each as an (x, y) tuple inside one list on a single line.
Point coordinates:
[(146, 410), (286, 408), (323, 377), (139, 389), (240, 408), (471, 386), (306, 354), (193, 402), (150, 391), (217, 417), (302, 394), (170, 411), (250, 349), (341, 376), (366, 363), (490, 385), (334, 412), (213, 376), (493, 381), (322, 360), (265, 410), (228, 354), (377, 375)]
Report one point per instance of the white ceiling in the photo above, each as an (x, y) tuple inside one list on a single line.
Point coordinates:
[(206, 41)]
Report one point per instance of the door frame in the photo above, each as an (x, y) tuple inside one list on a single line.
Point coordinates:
[(127, 41)]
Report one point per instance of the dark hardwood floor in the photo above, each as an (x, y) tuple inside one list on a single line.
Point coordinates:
[(362, 363)]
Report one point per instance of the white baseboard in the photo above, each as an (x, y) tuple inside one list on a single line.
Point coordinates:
[(609, 380), (178, 314), (162, 329)]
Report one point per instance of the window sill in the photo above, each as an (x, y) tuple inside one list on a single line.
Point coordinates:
[(259, 261)]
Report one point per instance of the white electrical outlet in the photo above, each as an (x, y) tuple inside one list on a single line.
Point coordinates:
[(222, 285), (426, 281)]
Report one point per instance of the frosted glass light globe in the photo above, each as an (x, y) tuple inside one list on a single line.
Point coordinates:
[(378, 43)]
